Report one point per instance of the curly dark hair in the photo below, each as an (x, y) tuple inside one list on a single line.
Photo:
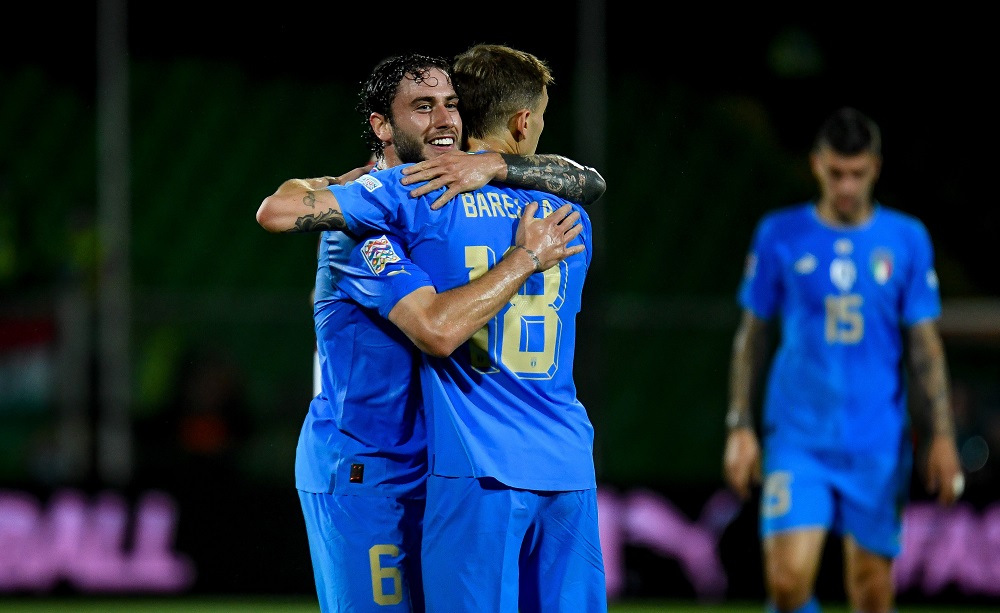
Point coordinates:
[(378, 92)]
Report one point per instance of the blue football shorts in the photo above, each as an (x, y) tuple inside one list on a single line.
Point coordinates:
[(846, 493), (489, 547), (365, 552)]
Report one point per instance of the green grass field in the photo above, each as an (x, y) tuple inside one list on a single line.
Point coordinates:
[(298, 605)]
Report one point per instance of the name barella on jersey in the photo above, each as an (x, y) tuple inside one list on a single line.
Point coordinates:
[(842, 295), (364, 433), (503, 405)]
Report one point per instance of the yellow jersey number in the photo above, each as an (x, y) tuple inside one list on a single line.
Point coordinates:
[(530, 328), (845, 325), (381, 573)]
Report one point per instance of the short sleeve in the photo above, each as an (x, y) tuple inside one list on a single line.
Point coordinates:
[(380, 273), (921, 296), (378, 202), (370, 203), (760, 288)]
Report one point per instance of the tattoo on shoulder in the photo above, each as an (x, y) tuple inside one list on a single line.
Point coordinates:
[(555, 174), (332, 219)]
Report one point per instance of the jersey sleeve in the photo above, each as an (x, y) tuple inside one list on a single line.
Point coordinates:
[(377, 202), (760, 288), (921, 296), (367, 203), (380, 273)]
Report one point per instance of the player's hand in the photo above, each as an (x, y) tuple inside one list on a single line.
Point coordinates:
[(741, 461), (457, 171), (548, 236), (944, 470)]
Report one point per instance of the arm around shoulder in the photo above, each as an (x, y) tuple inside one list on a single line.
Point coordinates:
[(306, 205), (439, 323), (555, 174)]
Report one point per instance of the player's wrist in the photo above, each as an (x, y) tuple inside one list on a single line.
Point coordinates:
[(737, 419), (947, 436), (534, 257), (944, 427), (515, 168), (499, 165)]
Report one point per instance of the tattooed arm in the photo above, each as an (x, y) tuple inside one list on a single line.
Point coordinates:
[(555, 174), (926, 361), (462, 172), (741, 458), (305, 205)]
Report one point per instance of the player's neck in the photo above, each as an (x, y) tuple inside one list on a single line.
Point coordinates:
[(497, 144), (389, 160), (854, 214)]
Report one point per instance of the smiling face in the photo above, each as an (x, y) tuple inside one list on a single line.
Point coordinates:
[(425, 120)]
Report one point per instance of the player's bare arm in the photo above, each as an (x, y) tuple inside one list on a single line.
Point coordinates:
[(305, 205), (439, 323), (926, 360), (462, 172), (557, 175), (741, 459)]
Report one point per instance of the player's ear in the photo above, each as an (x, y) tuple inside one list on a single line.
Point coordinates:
[(878, 166), (815, 164), (380, 126), (518, 125)]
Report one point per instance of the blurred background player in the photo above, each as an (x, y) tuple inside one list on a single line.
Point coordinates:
[(853, 287)]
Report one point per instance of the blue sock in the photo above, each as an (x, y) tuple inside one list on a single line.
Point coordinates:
[(810, 607)]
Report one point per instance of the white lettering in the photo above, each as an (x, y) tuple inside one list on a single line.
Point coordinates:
[(495, 201), (511, 206), (469, 202), (484, 206)]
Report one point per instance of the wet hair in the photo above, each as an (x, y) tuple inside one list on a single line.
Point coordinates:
[(493, 83), (848, 131), (378, 92)]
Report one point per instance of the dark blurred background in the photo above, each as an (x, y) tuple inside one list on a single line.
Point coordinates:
[(153, 338)]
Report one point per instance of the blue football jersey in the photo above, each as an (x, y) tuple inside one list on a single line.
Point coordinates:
[(364, 433), (843, 296), (503, 405)]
